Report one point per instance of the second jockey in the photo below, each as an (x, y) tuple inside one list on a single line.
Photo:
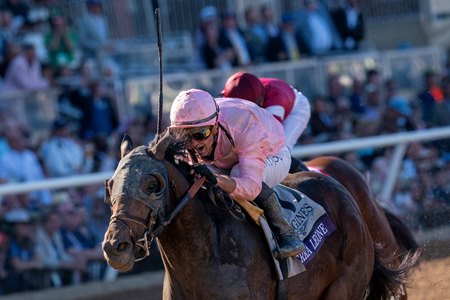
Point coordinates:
[(283, 101)]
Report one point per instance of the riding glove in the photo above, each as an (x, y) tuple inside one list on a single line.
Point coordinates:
[(203, 170)]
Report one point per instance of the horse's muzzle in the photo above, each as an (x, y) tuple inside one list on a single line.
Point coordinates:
[(119, 254)]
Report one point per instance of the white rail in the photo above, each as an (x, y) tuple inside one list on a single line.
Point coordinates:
[(399, 140), (375, 142)]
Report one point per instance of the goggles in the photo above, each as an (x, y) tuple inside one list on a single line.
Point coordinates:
[(201, 134)]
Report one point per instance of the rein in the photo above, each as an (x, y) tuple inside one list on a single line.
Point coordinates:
[(189, 195), (145, 241)]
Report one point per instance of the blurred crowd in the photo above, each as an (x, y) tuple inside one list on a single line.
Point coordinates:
[(52, 238), (312, 30), (377, 107), (40, 46)]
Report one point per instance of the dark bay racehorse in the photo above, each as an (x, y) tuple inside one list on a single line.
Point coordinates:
[(209, 254)]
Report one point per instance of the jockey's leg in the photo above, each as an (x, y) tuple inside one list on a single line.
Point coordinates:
[(289, 243)]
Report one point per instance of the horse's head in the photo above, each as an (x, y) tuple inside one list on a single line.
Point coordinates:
[(137, 193)]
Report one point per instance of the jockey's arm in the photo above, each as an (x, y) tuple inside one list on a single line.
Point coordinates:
[(226, 183)]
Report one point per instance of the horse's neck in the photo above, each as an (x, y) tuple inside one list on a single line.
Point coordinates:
[(192, 231), (189, 239)]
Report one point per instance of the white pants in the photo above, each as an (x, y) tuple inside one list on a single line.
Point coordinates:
[(276, 168), (295, 123)]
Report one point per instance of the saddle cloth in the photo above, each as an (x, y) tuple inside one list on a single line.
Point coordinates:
[(309, 220)]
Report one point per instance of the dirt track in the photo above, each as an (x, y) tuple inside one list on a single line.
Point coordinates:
[(431, 281)]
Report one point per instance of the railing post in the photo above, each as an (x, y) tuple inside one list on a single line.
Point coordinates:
[(394, 170)]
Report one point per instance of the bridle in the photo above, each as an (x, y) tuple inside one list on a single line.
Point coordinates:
[(145, 241)]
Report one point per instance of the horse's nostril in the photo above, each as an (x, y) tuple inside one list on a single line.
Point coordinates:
[(122, 246)]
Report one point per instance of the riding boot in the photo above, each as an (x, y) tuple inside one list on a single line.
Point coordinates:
[(289, 243), (297, 166)]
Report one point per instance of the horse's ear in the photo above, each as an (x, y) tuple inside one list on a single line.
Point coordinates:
[(159, 148), (126, 146)]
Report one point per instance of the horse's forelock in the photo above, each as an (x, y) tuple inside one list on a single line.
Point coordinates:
[(175, 143)]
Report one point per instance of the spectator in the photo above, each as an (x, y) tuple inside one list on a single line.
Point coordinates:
[(20, 12), (23, 256), (391, 89), (100, 157), (335, 89), (269, 23), (20, 164), (99, 113), (93, 252), (214, 56), (369, 122), (441, 196), (24, 71), (93, 35), (98, 218), (429, 97), (78, 240), (62, 155), (12, 50), (60, 43), (344, 118), (208, 21), (396, 117), (373, 76), (317, 29), (443, 113), (255, 35), (7, 31), (287, 45), (349, 23), (356, 97), (232, 37), (65, 268), (322, 123)]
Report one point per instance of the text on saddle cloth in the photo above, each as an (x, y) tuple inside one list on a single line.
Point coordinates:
[(308, 219)]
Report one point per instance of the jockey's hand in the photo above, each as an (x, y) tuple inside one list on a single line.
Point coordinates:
[(203, 170)]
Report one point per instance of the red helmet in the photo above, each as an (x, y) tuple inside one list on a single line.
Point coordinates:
[(245, 86)]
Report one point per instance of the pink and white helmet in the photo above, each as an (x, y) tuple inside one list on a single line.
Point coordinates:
[(193, 108)]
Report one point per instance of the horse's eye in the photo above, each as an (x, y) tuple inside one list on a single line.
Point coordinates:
[(150, 184)]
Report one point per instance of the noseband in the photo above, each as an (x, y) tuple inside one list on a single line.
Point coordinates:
[(145, 241)]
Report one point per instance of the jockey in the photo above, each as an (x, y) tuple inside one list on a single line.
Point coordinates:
[(239, 136), (286, 104)]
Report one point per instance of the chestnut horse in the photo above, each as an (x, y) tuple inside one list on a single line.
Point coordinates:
[(209, 253), (388, 231)]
